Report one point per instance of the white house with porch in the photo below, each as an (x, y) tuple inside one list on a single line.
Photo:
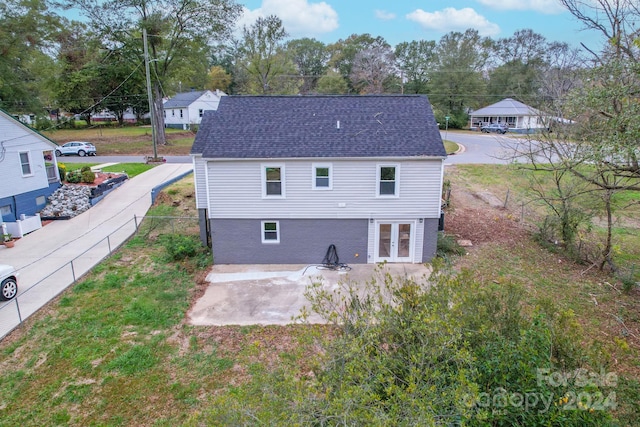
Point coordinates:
[(518, 117)]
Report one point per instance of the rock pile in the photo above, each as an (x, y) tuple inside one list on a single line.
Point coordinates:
[(68, 201)]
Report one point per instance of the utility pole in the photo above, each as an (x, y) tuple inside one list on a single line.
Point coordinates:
[(149, 95), (446, 128)]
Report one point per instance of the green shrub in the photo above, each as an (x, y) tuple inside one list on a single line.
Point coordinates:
[(74, 177), (180, 247), (447, 245), (87, 176), (448, 351), (62, 171)]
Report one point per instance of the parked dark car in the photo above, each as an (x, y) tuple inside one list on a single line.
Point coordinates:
[(495, 127)]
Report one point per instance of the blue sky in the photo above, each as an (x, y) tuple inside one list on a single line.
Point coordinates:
[(407, 20)]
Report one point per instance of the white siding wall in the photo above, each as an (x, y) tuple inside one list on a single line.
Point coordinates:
[(17, 139), (200, 176), (235, 190), (205, 102), (191, 113)]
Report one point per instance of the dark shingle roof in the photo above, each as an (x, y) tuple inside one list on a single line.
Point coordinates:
[(183, 99), (307, 126)]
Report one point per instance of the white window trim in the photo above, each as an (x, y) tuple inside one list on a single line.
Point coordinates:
[(396, 190), (262, 232), (28, 162), (263, 175), (329, 166)]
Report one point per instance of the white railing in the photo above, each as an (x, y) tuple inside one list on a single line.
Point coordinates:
[(24, 225)]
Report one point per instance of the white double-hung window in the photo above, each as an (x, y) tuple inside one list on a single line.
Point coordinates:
[(388, 178), (322, 176), (273, 181)]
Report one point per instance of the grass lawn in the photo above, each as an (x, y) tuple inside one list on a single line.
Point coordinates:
[(450, 146), (131, 140), (131, 169), (115, 349)]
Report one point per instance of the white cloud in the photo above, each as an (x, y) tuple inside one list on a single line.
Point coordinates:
[(299, 17), (451, 19), (384, 15), (548, 7)]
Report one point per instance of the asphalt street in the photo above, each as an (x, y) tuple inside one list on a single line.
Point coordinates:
[(478, 148)]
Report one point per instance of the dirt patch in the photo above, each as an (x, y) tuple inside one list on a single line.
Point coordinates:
[(482, 219)]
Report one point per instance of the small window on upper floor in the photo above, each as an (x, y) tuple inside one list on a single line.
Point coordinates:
[(322, 176), (388, 178), (180, 113), (25, 163), (273, 181), (201, 112), (270, 232), (173, 113)]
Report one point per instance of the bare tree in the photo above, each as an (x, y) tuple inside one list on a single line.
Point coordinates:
[(594, 145), (372, 66)]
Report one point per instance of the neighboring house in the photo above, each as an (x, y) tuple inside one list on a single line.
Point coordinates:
[(28, 169), (279, 179), (186, 109), (519, 117)]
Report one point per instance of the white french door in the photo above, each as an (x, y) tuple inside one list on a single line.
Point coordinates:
[(394, 242)]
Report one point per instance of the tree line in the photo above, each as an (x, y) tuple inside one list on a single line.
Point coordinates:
[(51, 63)]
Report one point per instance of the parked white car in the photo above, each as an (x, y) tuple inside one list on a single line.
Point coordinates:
[(8, 282), (78, 148)]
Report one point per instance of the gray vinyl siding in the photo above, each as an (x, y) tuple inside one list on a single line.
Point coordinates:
[(235, 190), (200, 177), (302, 241)]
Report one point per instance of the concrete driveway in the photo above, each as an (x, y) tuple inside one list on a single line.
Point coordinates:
[(274, 294)]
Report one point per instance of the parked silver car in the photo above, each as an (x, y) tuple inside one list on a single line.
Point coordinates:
[(8, 282), (495, 127), (78, 148)]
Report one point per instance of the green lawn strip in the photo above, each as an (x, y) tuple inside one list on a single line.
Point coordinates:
[(131, 169), (450, 147)]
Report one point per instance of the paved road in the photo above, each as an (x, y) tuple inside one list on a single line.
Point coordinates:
[(478, 148)]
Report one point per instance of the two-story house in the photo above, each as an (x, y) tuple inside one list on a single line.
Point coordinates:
[(186, 109), (280, 178), (28, 169)]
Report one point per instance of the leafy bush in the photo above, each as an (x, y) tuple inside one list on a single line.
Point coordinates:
[(180, 247), (87, 176), (62, 171), (74, 177), (447, 245), (450, 351)]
